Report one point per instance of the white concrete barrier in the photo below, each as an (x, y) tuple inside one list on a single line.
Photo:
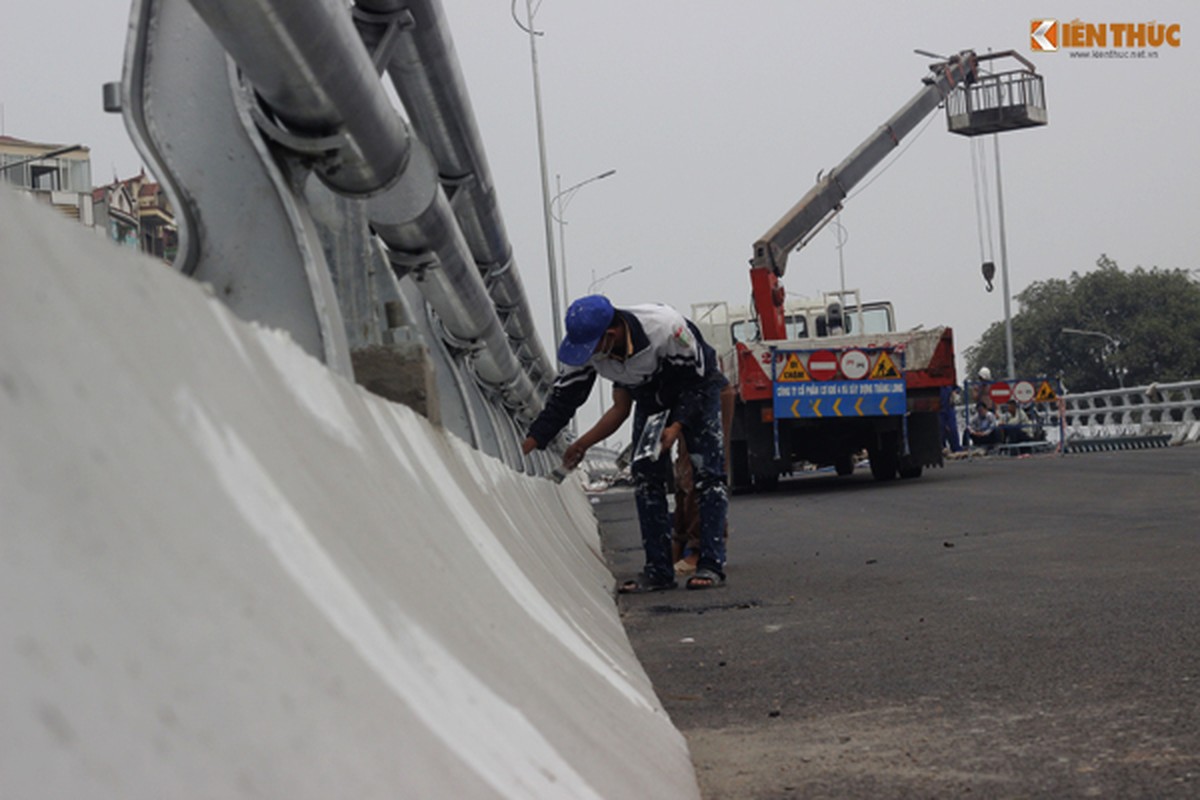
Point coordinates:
[(225, 572)]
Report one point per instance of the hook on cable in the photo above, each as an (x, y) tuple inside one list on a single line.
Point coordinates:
[(989, 272)]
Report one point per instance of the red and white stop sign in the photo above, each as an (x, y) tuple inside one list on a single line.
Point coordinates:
[(1000, 392), (822, 365)]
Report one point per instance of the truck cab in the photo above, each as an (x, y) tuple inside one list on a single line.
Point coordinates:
[(806, 318), (773, 436)]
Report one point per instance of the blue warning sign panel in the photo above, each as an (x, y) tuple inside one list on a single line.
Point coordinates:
[(862, 398)]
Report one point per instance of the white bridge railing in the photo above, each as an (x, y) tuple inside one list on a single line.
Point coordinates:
[(1156, 415), (1168, 409)]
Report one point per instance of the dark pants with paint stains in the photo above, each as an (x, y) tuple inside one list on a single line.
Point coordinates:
[(706, 450)]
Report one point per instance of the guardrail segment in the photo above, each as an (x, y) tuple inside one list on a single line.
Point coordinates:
[(275, 111)]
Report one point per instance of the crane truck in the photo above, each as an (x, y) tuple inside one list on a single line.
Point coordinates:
[(819, 382)]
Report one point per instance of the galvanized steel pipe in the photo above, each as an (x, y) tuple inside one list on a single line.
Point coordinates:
[(424, 69), (307, 62), (421, 234)]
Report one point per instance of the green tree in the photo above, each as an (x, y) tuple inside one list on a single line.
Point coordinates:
[(1152, 315)]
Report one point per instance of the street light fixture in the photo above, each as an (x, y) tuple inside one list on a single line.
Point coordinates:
[(1113, 341), (598, 282), (563, 199), (592, 287)]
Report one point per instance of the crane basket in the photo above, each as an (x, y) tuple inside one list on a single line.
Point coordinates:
[(998, 102)]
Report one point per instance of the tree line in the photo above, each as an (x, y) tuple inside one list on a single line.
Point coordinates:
[(1121, 328)]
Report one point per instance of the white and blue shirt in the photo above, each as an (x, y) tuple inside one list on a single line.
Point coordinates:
[(668, 356)]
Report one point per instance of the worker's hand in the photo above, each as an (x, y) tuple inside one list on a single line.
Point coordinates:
[(670, 435), (574, 454), (529, 445)]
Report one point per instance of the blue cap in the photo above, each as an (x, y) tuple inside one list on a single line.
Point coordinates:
[(587, 320)]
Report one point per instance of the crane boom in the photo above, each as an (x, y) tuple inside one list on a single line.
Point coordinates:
[(819, 205)]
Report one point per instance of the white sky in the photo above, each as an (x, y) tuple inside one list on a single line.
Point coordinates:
[(717, 118)]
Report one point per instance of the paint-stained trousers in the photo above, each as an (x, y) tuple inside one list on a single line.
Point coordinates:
[(706, 449)]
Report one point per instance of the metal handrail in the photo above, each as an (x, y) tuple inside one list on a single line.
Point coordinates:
[(1168, 412), (424, 70), (1167, 408), (308, 64)]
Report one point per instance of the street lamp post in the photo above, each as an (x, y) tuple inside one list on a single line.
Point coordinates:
[(562, 200), (1112, 341), (841, 244), (1008, 331), (541, 137)]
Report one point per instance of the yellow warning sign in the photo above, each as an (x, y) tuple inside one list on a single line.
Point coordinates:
[(1045, 393), (794, 370), (884, 368)]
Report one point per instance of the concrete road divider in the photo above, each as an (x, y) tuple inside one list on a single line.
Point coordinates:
[(227, 572)]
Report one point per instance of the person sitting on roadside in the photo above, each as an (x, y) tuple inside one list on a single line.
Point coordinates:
[(983, 429), (1014, 424)]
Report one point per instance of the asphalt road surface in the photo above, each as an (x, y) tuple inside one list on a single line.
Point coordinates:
[(1001, 627)]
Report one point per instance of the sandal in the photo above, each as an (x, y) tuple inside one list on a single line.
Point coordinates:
[(687, 564), (643, 584), (706, 579)]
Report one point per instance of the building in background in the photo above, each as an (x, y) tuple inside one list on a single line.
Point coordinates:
[(57, 175), (134, 212), (156, 219), (116, 213)]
